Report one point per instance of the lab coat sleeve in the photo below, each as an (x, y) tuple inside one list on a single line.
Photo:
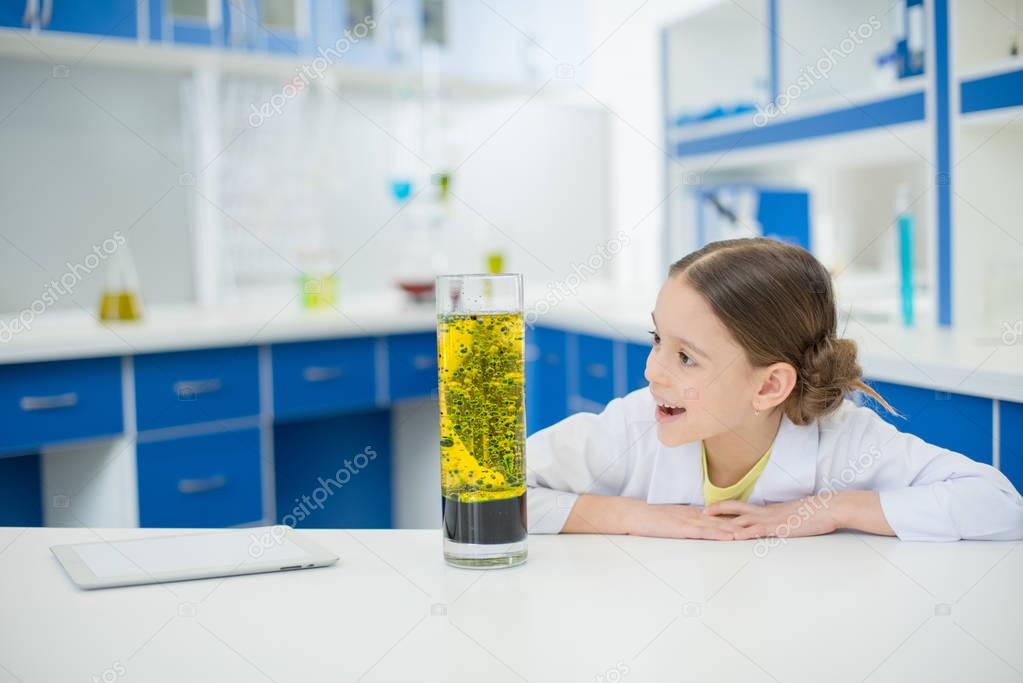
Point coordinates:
[(934, 494), (584, 453)]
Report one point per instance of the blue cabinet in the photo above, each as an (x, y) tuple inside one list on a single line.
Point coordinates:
[(12, 14), (195, 23), (21, 487), (957, 422), (412, 365), (190, 387), (281, 26), (323, 377), (546, 377), (55, 401), (1010, 441), (116, 18), (593, 384), (209, 480), (635, 365), (334, 473)]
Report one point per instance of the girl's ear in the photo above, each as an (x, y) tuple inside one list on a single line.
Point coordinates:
[(776, 383)]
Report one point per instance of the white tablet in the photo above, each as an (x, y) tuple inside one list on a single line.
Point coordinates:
[(190, 556)]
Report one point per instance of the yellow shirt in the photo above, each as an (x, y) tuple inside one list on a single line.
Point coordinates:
[(740, 490)]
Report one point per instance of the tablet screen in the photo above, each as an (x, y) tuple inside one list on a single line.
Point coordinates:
[(187, 553)]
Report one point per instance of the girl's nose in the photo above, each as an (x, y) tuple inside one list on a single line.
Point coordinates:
[(654, 372)]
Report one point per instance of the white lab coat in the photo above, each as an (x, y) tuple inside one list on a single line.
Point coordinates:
[(927, 493)]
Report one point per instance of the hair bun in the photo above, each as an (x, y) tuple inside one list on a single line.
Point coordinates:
[(827, 371)]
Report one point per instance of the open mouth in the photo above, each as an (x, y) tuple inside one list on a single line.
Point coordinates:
[(666, 410)]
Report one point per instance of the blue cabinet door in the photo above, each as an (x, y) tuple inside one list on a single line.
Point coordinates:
[(334, 473), (1010, 441), (635, 365), (593, 373), (190, 387), (546, 378), (281, 26), (96, 17), (12, 13), (412, 365), (21, 488), (323, 377), (210, 480), (55, 401), (202, 24), (954, 421)]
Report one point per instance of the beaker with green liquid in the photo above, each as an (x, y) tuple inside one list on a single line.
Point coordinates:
[(481, 389)]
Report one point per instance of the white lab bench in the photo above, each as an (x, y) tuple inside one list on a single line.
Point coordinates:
[(844, 607)]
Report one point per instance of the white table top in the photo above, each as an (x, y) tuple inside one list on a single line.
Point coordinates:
[(845, 607)]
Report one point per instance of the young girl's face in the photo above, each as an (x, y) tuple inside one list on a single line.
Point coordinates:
[(696, 366)]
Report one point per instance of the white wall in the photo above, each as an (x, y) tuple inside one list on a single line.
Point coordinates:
[(83, 157), (624, 73), (93, 153)]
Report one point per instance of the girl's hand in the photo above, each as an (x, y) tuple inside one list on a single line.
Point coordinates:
[(807, 517), (679, 521)]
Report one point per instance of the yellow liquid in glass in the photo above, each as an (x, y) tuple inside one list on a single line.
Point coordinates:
[(119, 306), (482, 421)]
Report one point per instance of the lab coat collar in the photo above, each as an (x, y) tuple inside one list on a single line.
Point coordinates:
[(790, 473)]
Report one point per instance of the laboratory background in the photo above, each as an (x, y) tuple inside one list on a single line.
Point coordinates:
[(221, 228), (222, 222)]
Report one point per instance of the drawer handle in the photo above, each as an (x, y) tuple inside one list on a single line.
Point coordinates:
[(192, 486), (321, 374), (189, 390), (33, 403), (423, 362), (598, 370)]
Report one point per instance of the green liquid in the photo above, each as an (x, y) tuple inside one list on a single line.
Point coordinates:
[(480, 361)]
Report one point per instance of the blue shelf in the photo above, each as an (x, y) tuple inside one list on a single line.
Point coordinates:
[(892, 111), (992, 92)]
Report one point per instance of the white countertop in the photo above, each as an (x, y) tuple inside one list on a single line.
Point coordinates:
[(948, 360), (845, 607)]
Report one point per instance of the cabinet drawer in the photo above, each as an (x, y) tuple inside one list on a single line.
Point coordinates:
[(594, 371), (44, 403), (188, 387), (210, 480), (957, 422), (412, 365), (322, 377)]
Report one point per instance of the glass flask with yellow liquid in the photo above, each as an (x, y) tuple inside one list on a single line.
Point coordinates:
[(120, 299), (481, 389)]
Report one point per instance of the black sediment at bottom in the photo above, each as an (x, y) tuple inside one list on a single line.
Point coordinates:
[(486, 522)]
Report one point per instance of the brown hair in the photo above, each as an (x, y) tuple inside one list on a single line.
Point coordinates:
[(777, 301)]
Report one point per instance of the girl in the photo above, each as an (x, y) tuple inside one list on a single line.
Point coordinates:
[(743, 431)]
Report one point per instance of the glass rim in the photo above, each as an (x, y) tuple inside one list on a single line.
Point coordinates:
[(492, 276)]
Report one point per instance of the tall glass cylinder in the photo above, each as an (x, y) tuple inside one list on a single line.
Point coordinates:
[(481, 367)]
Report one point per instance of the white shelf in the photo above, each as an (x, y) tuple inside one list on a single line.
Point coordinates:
[(70, 49)]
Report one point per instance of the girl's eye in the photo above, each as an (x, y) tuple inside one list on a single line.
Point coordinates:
[(657, 339), (686, 359)]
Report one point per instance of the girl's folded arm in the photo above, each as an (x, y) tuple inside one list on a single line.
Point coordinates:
[(582, 454), (929, 493)]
